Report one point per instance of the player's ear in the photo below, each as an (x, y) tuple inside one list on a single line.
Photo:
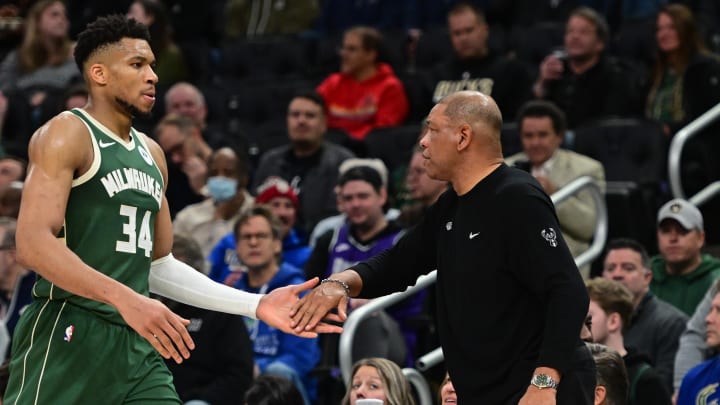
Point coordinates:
[(97, 72)]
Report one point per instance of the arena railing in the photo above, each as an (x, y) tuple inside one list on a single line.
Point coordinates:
[(435, 357), (674, 156)]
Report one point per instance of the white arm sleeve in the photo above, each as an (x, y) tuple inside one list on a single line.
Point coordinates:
[(176, 280)]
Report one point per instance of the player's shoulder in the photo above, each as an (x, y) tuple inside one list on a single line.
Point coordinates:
[(63, 130)]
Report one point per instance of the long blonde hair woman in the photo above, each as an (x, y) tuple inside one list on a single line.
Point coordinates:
[(378, 378)]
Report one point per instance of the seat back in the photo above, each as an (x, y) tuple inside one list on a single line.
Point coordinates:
[(630, 149)]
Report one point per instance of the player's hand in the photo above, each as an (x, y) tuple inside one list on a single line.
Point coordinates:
[(537, 396), (275, 309), (316, 305), (165, 330)]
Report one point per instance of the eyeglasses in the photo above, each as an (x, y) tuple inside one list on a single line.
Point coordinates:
[(260, 236)]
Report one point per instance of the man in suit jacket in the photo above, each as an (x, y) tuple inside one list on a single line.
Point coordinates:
[(542, 128)]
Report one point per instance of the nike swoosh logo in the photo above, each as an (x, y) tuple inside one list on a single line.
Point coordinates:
[(473, 235), (105, 144)]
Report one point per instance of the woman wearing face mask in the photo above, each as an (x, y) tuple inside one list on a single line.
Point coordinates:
[(378, 378), (210, 220)]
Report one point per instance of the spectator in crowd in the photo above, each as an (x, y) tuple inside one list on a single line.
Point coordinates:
[(422, 189), (273, 390), (685, 83), (34, 76), (259, 248), (283, 202), (534, 341), (693, 349), (336, 221), (699, 386), (187, 100), (612, 379), (10, 199), (308, 162), (76, 96), (170, 62), (378, 378), (581, 79), (187, 156), (11, 169), (542, 130), (44, 59), (655, 326), (221, 367), (210, 220), (476, 67), (611, 309), (447, 391), (685, 79), (682, 274), (16, 281), (365, 94), (363, 194)]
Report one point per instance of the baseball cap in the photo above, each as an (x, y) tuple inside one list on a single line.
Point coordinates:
[(373, 171), (274, 187), (682, 211)]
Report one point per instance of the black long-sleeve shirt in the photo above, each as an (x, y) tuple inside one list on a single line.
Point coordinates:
[(510, 297)]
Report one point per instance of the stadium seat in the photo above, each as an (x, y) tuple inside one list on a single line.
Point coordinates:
[(393, 145)]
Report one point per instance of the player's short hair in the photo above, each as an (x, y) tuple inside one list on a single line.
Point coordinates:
[(106, 31)]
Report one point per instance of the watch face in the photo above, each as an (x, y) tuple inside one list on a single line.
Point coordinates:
[(543, 381)]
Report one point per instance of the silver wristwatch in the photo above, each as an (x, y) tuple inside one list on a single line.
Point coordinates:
[(543, 381)]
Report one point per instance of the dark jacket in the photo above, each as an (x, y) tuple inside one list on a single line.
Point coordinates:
[(602, 91), (506, 80), (655, 330), (645, 384), (220, 369)]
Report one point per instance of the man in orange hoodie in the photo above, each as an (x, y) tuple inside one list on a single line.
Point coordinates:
[(365, 94)]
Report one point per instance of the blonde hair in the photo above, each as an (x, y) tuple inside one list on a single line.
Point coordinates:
[(397, 388)]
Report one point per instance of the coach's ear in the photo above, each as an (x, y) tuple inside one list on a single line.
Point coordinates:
[(464, 137)]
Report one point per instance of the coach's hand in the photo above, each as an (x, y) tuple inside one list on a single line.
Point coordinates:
[(275, 309), (165, 330), (316, 306)]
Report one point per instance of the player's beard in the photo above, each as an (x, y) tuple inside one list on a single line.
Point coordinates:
[(132, 110)]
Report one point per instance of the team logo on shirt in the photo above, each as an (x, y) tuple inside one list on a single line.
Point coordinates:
[(550, 236), (68, 333), (145, 155), (448, 226)]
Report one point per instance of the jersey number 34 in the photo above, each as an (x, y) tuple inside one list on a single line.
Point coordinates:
[(142, 240)]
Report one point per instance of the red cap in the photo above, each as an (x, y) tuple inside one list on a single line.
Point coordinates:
[(274, 187)]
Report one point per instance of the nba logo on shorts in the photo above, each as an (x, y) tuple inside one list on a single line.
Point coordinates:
[(68, 333)]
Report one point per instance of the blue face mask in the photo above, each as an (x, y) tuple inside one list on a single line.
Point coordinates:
[(221, 188)]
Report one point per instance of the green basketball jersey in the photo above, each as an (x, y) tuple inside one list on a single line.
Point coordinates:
[(110, 215)]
